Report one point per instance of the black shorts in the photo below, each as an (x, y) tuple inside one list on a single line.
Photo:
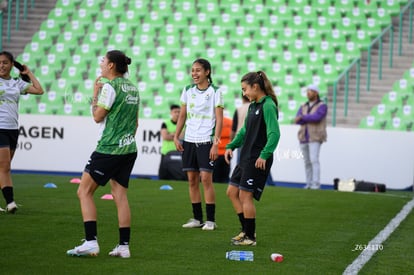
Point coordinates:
[(8, 138), (251, 179), (103, 167), (196, 157)]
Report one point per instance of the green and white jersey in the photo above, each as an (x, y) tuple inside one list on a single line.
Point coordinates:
[(10, 91), (117, 133), (201, 116)]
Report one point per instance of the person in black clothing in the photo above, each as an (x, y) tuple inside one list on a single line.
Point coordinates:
[(171, 160), (258, 137)]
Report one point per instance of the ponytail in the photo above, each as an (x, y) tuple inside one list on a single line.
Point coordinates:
[(260, 78)]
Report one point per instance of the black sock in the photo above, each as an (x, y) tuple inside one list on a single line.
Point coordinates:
[(124, 234), (8, 194), (241, 219), (90, 230), (211, 211), (250, 227), (198, 211)]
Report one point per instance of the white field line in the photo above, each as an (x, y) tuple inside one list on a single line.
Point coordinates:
[(366, 254)]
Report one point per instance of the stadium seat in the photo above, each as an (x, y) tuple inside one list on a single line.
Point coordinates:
[(28, 104), (372, 122), (397, 124), (383, 112)]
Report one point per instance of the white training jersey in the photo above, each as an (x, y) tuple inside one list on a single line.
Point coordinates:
[(201, 117), (10, 91)]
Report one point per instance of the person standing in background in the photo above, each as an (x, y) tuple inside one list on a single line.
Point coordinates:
[(115, 106), (171, 159), (202, 114), (221, 170), (238, 120), (239, 116), (10, 91), (311, 117)]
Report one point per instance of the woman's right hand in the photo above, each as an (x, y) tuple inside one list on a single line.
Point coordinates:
[(178, 144)]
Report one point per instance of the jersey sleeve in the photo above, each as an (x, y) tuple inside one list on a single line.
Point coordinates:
[(23, 86), (272, 129), (107, 97), (219, 101), (183, 98)]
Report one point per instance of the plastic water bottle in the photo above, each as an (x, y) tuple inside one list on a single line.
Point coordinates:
[(237, 255)]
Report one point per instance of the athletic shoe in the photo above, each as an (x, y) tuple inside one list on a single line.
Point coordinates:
[(246, 241), (239, 237), (88, 248), (11, 207), (121, 251), (307, 186), (209, 226), (193, 223)]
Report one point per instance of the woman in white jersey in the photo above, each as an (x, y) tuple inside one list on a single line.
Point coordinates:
[(202, 114), (10, 91), (115, 107)]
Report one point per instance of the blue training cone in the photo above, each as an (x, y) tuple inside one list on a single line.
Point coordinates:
[(50, 185), (166, 187)]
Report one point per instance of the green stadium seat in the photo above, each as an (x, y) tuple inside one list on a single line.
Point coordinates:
[(350, 49), (409, 76), (28, 104), (379, 14), (346, 26), (392, 7), (336, 37), (382, 111), (314, 60), (406, 112), (321, 5), (398, 124), (322, 25), (403, 87), (371, 122), (339, 62), (394, 99)]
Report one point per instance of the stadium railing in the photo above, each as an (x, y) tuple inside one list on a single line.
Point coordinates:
[(355, 65)]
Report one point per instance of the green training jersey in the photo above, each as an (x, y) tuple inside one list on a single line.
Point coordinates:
[(121, 99)]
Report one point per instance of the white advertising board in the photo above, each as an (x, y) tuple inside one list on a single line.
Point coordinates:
[(63, 144)]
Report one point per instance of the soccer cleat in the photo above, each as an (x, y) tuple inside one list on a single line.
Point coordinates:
[(11, 207), (121, 251), (192, 223), (246, 241), (209, 226), (239, 237), (88, 248)]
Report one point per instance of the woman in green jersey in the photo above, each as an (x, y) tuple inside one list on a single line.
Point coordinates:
[(115, 107)]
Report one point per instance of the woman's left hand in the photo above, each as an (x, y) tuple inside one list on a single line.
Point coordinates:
[(260, 164)]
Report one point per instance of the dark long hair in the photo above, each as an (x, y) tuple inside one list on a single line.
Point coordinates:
[(206, 66), (120, 59), (264, 83), (16, 64)]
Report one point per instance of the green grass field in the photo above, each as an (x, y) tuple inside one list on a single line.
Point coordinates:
[(315, 230)]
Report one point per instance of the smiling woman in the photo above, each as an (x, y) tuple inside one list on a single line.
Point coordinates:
[(202, 113), (10, 91)]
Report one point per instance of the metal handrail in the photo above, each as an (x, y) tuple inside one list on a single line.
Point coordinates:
[(356, 62)]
